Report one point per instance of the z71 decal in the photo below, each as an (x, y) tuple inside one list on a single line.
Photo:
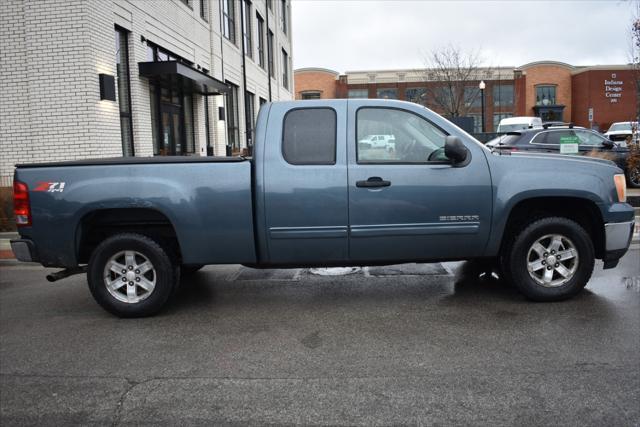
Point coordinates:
[(50, 187)]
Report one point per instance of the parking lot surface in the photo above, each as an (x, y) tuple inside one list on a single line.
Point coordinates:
[(416, 344)]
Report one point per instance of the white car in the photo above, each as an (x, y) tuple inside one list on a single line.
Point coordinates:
[(379, 141), (620, 131), (514, 124)]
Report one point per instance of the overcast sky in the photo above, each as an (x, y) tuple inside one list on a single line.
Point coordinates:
[(352, 35)]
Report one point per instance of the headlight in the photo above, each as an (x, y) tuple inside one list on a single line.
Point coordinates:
[(621, 187)]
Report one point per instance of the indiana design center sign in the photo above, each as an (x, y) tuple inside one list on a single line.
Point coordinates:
[(613, 89)]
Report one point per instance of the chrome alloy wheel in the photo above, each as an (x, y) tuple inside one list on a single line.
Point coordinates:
[(129, 276), (552, 260)]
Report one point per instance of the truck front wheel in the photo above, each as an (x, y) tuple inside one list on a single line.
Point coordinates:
[(131, 275), (551, 259)]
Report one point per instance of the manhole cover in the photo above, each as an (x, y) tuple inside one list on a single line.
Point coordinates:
[(409, 270), (334, 271)]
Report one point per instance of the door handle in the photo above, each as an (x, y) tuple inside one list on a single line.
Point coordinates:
[(374, 181)]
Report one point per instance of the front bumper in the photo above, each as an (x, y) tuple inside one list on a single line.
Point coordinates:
[(618, 237), (24, 250)]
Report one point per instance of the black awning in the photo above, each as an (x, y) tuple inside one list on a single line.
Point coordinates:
[(197, 81)]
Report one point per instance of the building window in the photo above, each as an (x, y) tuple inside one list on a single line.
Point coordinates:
[(260, 41), (309, 136), (285, 69), (503, 95), (228, 20), (247, 38), (477, 122), (204, 10), (311, 95), (499, 116), (262, 101), (387, 93), (416, 94), (159, 54), (249, 116), (545, 95), (270, 54), (358, 93), (124, 91), (233, 132), (472, 97), (283, 15)]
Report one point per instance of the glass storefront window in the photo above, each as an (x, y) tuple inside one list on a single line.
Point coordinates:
[(387, 93), (503, 95), (472, 97), (545, 95), (416, 94), (358, 93), (124, 92), (233, 132)]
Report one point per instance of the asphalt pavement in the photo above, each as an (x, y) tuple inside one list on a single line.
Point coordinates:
[(408, 345)]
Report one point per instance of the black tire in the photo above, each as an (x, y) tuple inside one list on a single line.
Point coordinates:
[(515, 259), (187, 270), (164, 272), (633, 178)]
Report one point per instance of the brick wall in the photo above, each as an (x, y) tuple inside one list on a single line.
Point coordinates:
[(589, 91), (558, 75), (316, 81), (53, 51)]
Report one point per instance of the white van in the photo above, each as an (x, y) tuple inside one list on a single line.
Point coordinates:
[(514, 124)]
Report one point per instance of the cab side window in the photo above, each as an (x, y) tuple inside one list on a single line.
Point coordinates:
[(309, 136), (400, 137)]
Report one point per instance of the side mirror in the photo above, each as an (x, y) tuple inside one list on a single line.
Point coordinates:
[(455, 150), (608, 144)]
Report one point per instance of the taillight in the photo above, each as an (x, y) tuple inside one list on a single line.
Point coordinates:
[(21, 205)]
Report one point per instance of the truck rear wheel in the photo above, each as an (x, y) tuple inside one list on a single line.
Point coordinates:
[(131, 275), (551, 259)]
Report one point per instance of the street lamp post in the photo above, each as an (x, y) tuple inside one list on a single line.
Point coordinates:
[(482, 85)]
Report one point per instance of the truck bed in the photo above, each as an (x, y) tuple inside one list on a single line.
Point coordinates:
[(208, 202)]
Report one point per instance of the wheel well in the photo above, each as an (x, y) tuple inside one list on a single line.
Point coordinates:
[(582, 211), (98, 225)]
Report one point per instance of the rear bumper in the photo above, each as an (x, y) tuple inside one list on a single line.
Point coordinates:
[(618, 237), (24, 250)]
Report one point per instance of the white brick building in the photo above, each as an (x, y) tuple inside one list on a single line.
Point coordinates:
[(53, 52)]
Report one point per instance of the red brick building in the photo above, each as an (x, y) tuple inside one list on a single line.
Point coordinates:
[(552, 90)]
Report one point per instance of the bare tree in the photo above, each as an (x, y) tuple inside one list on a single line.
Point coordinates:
[(457, 73)]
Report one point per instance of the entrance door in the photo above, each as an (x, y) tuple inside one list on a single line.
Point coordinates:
[(406, 200), (172, 144)]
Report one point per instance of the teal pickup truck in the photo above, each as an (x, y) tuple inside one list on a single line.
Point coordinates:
[(313, 195)]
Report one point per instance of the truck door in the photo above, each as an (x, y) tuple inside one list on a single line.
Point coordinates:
[(305, 183), (406, 201)]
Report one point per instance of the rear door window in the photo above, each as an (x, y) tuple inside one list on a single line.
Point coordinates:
[(309, 136)]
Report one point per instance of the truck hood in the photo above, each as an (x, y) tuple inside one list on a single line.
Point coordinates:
[(561, 158)]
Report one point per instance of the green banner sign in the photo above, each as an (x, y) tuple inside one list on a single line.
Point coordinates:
[(569, 144)]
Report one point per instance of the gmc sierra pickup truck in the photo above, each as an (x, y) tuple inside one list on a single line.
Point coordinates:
[(313, 196)]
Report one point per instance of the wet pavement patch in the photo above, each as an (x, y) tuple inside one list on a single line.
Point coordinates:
[(409, 270)]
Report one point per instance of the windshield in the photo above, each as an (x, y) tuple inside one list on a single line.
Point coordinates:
[(513, 127), (620, 126)]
